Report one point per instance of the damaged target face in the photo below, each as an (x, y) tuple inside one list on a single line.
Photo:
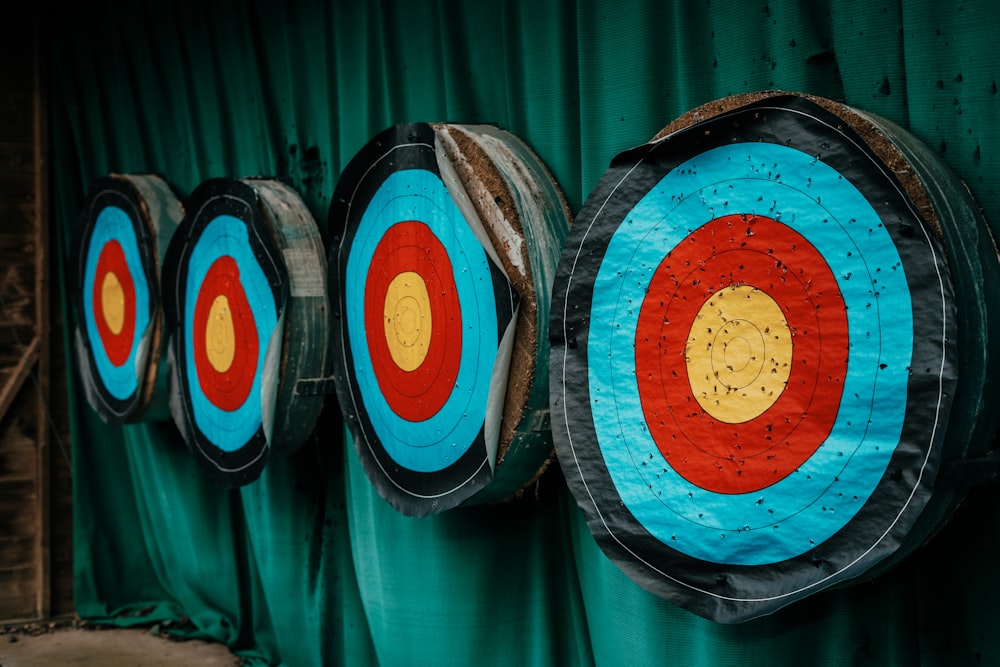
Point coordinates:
[(424, 315), (741, 311)]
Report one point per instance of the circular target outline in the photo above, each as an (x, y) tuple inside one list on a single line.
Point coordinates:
[(699, 536), (405, 156), (113, 216), (742, 590), (224, 220)]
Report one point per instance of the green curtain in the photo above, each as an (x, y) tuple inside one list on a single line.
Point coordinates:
[(307, 566)]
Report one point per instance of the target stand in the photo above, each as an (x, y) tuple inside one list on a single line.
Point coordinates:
[(118, 248), (247, 309), (769, 340), (445, 243)]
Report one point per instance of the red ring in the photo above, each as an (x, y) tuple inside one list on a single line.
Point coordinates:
[(117, 346), (419, 394), (227, 390), (762, 253)]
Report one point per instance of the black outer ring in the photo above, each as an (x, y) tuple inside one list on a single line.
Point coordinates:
[(215, 197), (104, 192), (411, 492), (733, 593)]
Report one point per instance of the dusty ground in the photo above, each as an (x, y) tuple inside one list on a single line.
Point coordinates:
[(71, 643)]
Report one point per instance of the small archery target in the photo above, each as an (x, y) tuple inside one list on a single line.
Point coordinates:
[(117, 252), (425, 314), (225, 298), (753, 336)]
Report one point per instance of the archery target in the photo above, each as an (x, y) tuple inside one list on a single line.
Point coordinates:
[(117, 251), (425, 320), (753, 359), (225, 298)]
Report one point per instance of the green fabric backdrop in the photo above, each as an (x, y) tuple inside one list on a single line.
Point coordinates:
[(308, 566)]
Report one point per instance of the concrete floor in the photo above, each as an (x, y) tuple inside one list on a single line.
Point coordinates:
[(85, 647)]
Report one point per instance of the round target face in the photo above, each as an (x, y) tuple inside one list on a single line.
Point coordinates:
[(422, 309), (752, 360), (224, 306), (117, 303)]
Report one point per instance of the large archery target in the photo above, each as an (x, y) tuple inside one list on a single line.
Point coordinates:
[(759, 326), (225, 299), (116, 260), (423, 311)]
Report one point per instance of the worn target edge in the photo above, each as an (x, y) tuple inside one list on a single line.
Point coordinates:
[(154, 212), (248, 460), (405, 146), (970, 247), (165, 212), (306, 331), (727, 607), (484, 233), (527, 219)]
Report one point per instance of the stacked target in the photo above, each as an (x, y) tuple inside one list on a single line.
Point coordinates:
[(119, 245), (445, 241), (246, 306), (770, 335)]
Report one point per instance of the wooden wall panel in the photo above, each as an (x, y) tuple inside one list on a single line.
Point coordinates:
[(35, 486)]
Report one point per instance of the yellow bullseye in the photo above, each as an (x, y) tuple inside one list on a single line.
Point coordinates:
[(113, 302), (407, 319), (220, 335), (739, 354)]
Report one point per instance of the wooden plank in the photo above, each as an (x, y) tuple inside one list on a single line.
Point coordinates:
[(17, 497), (18, 607), (17, 157), (13, 579), (17, 218), (14, 382), (17, 431), (17, 291), (15, 333), (17, 188), (16, 463), (17, 594), (17, 248), (16, 551), (44, 515)]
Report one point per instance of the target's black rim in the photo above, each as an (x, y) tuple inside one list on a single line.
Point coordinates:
[(213, 198), (105, 192), (404, 147)]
